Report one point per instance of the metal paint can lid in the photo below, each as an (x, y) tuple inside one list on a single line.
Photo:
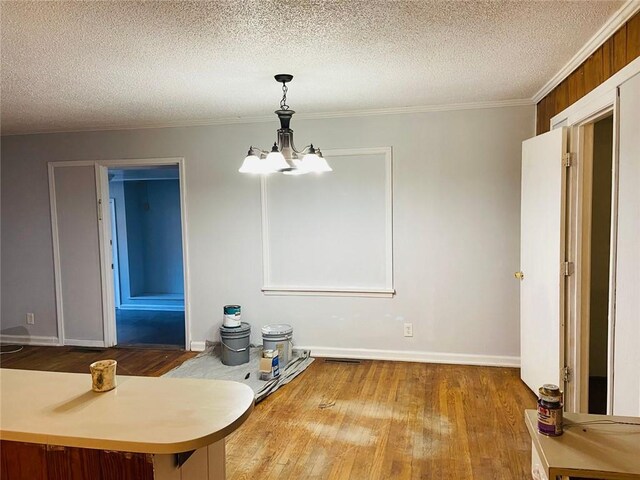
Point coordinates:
[(550, 393)]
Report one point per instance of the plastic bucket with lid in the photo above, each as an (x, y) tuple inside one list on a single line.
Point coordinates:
[(278, 336), (235, 344)]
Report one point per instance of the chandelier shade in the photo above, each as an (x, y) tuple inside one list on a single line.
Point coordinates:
[(284, 157)]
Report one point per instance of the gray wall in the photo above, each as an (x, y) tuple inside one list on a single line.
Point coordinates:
[(456, 228), (153, 237)]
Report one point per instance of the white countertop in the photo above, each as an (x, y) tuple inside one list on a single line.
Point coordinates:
[(143, 414)]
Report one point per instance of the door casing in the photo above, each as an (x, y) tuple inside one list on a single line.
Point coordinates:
[(104, 233)]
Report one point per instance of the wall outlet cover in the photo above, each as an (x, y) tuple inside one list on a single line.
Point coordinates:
[(408, 329)]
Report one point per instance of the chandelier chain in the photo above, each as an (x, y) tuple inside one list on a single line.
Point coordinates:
[(283, 102)]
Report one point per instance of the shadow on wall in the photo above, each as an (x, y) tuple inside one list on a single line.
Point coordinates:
[(15, 332)]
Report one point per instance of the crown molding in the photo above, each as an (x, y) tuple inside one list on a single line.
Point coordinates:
[(628, 10), (299, 116)]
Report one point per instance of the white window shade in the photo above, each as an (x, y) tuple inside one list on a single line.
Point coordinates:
[(331, 234)]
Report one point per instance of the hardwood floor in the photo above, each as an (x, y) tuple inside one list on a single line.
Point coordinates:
[(388, 420), (368, 420), (131, 361)]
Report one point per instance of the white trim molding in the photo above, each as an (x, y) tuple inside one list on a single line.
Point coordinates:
[(102, 189), (29, 340), (328, 292), (628, 10), (83, 343), (102, 183), (386, 290), (198, 346), (413, 356)]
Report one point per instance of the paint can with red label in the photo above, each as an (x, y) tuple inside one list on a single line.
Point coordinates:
[(550, 410)]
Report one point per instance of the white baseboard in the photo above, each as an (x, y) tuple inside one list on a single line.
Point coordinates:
[(28, 340), (197, 346), (83, 343), (422, 357)]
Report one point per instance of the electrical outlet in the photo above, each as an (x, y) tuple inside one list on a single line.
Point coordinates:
[(31, 319), (408, 329)]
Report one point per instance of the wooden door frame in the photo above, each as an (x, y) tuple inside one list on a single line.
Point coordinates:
[(102, 182), (600, 105)]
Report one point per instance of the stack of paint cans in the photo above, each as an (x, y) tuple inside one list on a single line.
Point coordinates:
[(550, 410)]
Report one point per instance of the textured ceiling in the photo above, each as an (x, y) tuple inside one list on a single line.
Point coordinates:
[(83, 65)]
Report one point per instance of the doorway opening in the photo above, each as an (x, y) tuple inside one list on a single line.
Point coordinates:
[(598, 263), (147, 255)]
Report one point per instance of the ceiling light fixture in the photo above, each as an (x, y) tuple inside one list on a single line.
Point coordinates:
[(283, 156)]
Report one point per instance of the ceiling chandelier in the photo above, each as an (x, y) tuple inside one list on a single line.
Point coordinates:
[(283, 156)]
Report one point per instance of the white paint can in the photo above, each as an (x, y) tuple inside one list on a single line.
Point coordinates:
[(278, 336), (232, 317)]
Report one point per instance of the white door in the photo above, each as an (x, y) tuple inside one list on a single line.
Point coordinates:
[(541, 256), (626, 349), (77, 254)]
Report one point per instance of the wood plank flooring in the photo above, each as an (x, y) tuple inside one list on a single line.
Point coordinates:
[(369, 420), (131, 361)]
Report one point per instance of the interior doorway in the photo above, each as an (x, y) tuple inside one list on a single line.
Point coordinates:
[(147, 255), (597, 261)]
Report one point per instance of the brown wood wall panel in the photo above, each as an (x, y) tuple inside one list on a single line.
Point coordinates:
[(620, 48), (607, 60), (633, 38), (576, 85), (614, 54)]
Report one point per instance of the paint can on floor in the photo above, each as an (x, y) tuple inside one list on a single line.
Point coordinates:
[(278, 336), (235, 344), (231, 316), (550, 410), (269, 365)]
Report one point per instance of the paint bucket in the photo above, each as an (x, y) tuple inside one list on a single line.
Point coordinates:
[(550, 410), (235, 344), (103, 375), (231, 316), (278, 337)]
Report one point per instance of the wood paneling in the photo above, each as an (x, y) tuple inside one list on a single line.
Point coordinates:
[(618, 51), (619, 48), (633, 38)]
